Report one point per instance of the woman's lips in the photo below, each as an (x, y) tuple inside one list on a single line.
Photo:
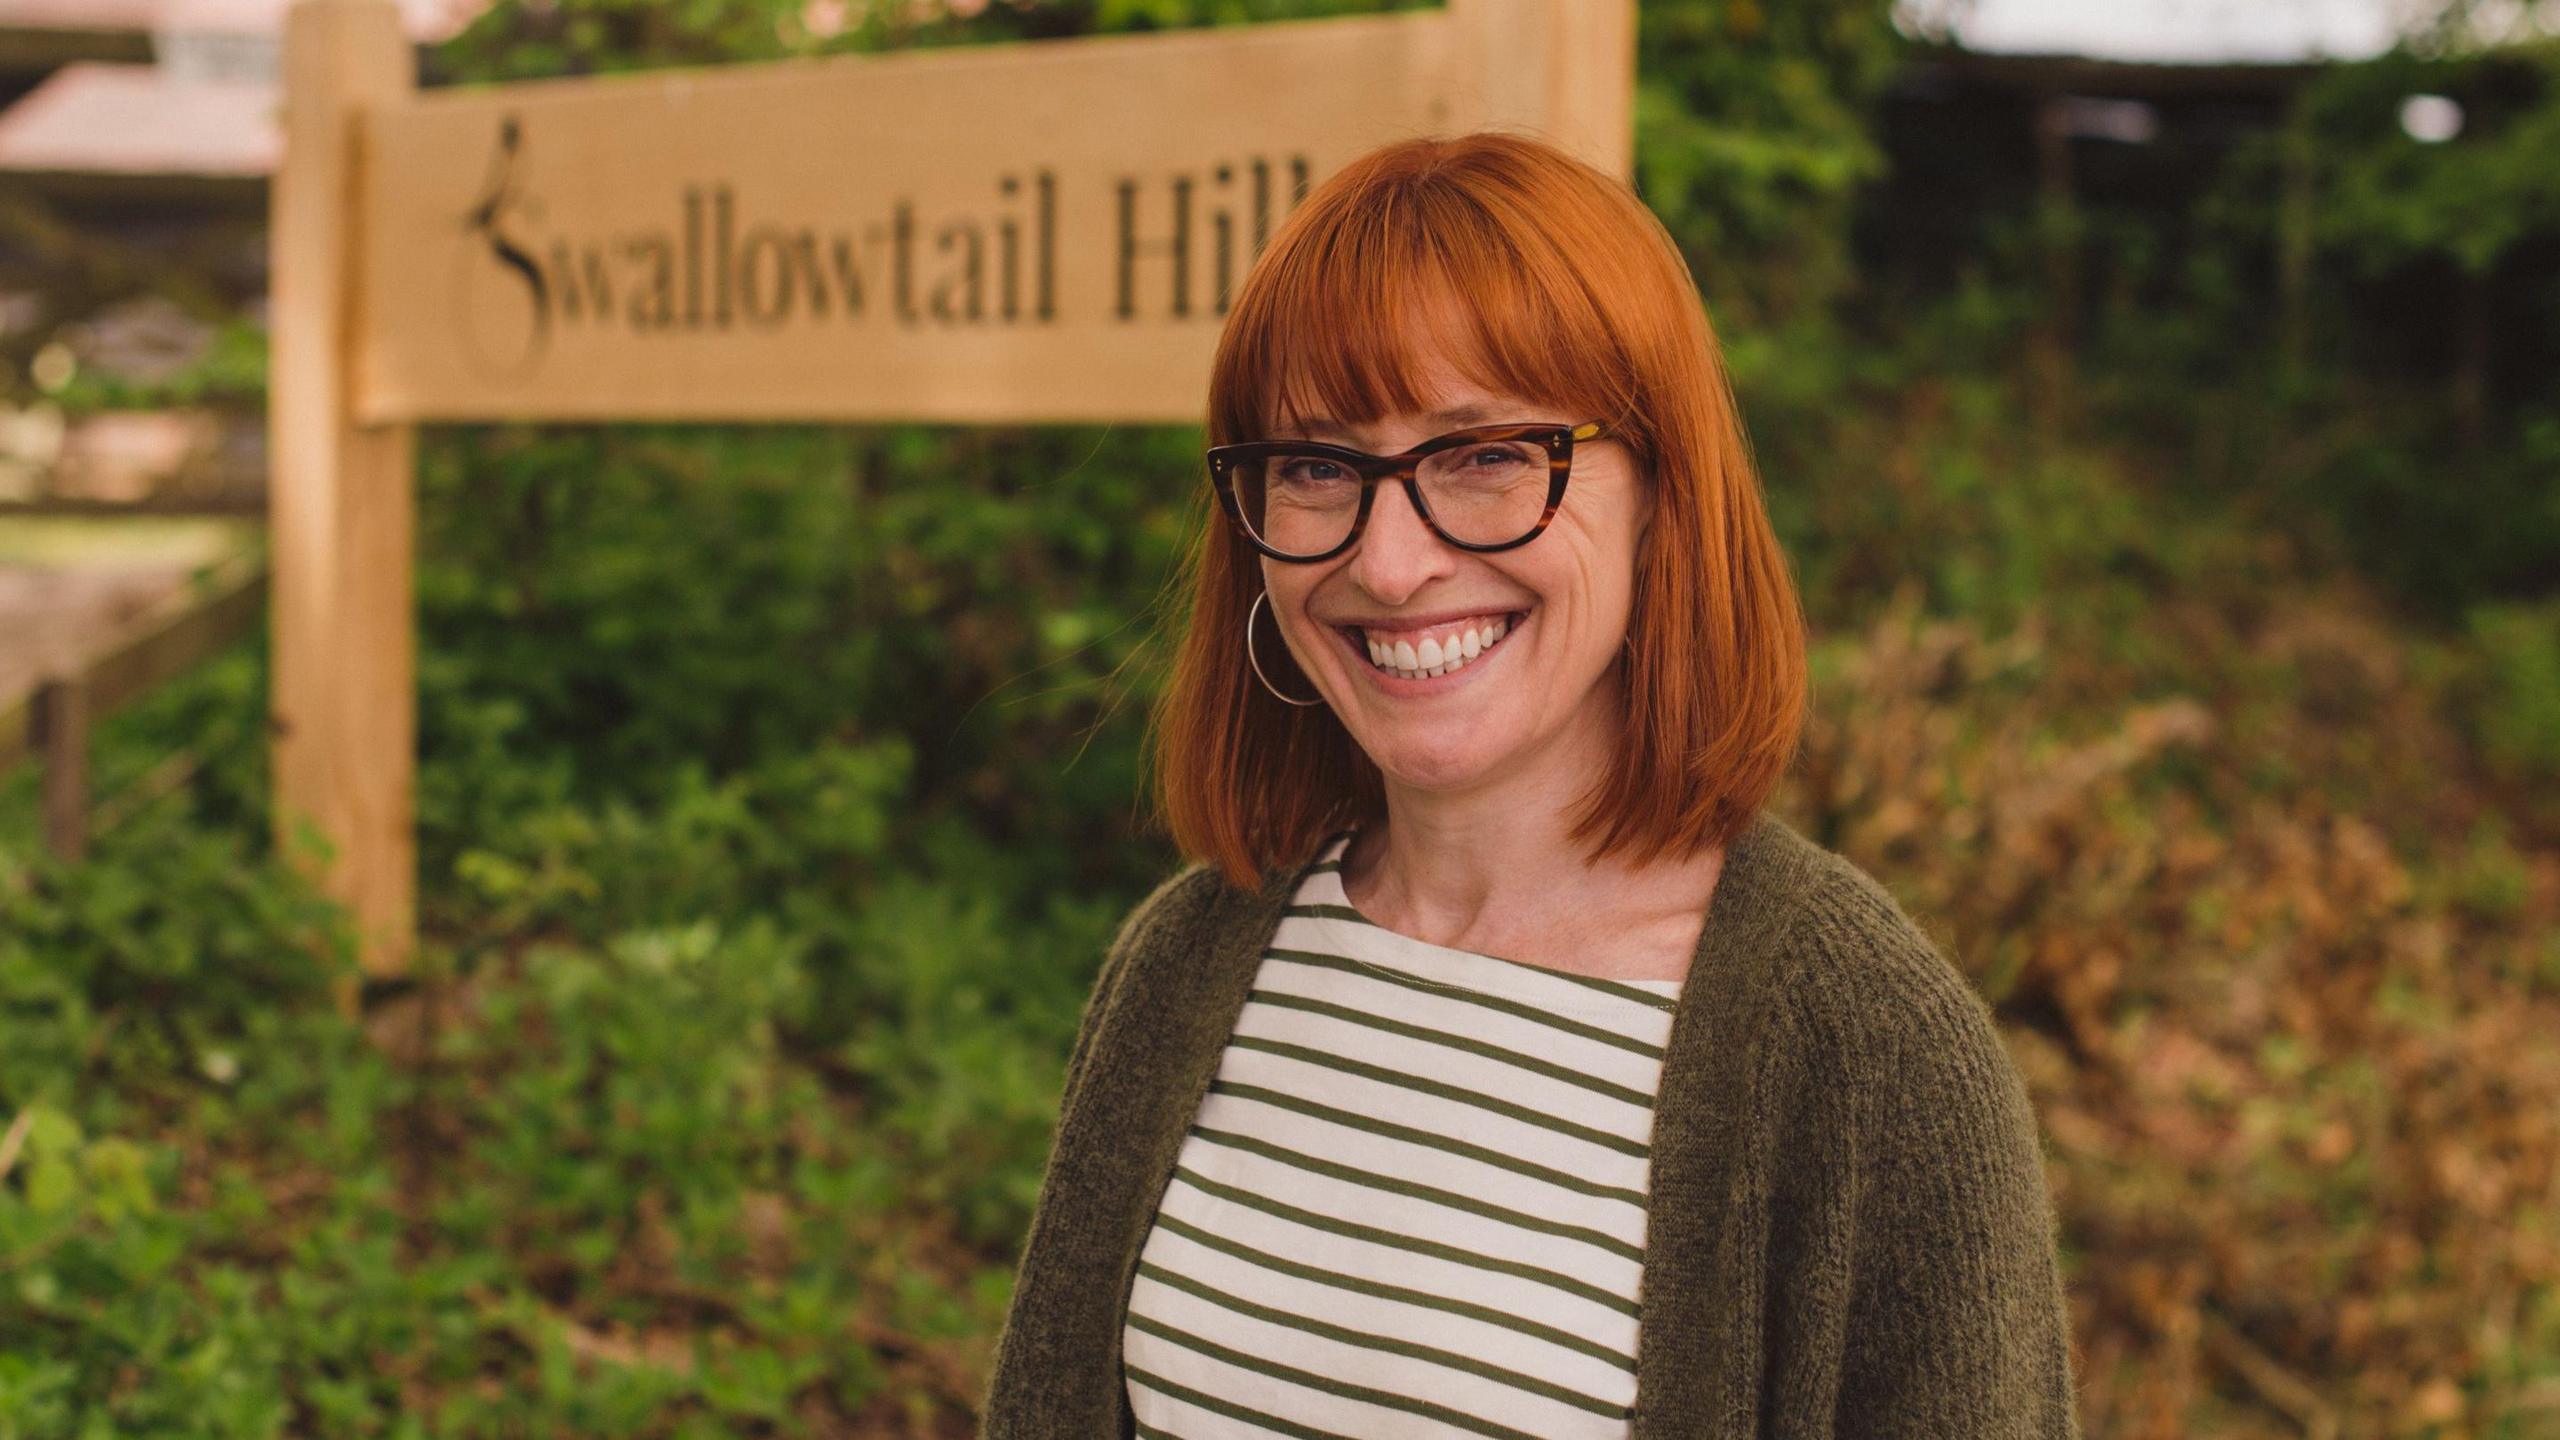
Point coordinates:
[(1395, 683)]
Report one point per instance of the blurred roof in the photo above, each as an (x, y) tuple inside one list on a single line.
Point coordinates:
[(96, 118)]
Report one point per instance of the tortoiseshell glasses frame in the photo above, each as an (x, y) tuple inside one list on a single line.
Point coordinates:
[(1374, 470)]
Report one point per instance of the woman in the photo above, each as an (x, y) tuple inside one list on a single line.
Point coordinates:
[(1499, 1066)]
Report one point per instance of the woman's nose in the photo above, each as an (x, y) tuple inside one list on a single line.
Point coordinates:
[(1397, 550)]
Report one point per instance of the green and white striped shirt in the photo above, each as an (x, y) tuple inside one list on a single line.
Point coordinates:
[(1412, 1203)]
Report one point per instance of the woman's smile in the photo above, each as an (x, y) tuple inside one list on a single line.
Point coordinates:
[(1429, 659)]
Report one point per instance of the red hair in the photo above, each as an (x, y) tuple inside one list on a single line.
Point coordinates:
[(1576, 297)]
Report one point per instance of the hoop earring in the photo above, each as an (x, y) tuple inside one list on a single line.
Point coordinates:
[(1256, 661)]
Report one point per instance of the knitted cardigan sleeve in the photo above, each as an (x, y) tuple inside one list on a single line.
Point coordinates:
[(1035, 1320), (1950, 1319), (1141, 916)]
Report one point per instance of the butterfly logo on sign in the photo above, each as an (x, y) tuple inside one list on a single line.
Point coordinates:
[(506, 309)]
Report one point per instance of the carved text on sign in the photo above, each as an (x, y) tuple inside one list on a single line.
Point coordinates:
[(716, 263)]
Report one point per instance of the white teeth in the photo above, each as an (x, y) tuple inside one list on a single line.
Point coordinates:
[(1436, 656)]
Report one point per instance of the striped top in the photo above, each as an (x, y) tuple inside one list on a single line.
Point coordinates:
[(1412, 1202)]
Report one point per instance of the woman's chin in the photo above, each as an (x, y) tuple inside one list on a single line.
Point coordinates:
[(1456, 758)]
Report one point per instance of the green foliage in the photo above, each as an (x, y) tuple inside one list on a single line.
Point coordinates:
[(160, 961), (962, 598), (2513, 689), (2388, 199), (664, 1160), (1752, 140)]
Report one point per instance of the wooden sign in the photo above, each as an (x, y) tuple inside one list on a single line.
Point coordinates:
[(1013, 232), (1025, 232)]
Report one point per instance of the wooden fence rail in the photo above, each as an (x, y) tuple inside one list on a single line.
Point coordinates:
[(53, 721)]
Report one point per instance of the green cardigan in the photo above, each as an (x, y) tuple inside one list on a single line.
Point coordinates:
[(1848, 1234)]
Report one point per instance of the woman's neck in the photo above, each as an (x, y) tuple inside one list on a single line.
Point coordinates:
[(1494, 869)]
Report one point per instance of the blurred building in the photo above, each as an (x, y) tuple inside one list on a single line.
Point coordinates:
[(1973, 138), (136, 138), (153, 98)]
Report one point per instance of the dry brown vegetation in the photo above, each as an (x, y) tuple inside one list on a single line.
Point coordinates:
[(2281, 970)]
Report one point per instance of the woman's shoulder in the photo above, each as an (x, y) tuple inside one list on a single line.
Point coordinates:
[(1178, 898), (1862, 975), (1187, 909), (1877, 1012)]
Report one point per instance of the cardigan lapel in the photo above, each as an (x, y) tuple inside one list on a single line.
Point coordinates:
[(1700, 1342)]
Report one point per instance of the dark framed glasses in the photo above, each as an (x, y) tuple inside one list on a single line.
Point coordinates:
[(1492, 487)]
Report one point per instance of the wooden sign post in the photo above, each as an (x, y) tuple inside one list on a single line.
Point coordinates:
[(1029, 232)]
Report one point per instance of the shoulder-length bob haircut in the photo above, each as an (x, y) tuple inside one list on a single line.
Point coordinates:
[(1577, 298)]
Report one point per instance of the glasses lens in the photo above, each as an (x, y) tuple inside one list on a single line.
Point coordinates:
[(1297, 504), (1487, 492)]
